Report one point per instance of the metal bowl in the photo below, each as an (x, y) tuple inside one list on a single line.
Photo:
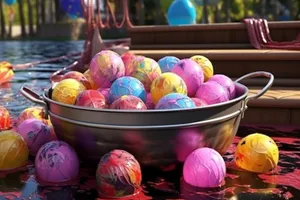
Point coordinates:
[(154, 137)]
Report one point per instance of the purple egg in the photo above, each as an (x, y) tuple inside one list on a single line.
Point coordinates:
[(56, 162), (191, 73), (204, 168), (212, 93), (175, 101), (35, 134), (226, 82), (104, 92), (149, 101)]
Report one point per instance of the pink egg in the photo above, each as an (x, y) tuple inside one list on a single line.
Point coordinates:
[(149, 101), (91, 99), (127, 58), (35, 133), (187, 141), (105, 67), (226, 82), (128, 102), (212, 93), (191, 73), (199, 102), (79, 77), (104, 92), (56, 162), (204, 168)]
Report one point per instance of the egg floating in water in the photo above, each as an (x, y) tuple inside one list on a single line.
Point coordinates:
[(56, 162), (118, 174), (91, 99), (257, 153), (127, 86), (13, 150), (167, 63), (128, 102), (35, 134), (204, 168), (4, 119), (106, 67)]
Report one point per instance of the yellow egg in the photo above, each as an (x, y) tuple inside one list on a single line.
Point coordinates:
[(257, 153), (67, 90), (35, 112), (206, 65), (89, 78), (165, 84), (13, 150)]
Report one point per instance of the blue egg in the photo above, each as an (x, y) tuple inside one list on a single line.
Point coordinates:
[(182, 12), (72, 7), (175, 101), (167, 63), (10, 2), (127, 85)]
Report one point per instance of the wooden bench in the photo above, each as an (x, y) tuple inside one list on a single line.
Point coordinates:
[(237, 62), (218, 35)]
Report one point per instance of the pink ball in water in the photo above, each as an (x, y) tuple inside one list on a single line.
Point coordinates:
[(191, 73), (149, 101), (35, 133), (204, 168), (91, 99), (212, 93), (199, 102), (56, 162), (128, 102), (226, 82)]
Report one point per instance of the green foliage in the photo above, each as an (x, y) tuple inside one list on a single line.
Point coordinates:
[(16, 12)]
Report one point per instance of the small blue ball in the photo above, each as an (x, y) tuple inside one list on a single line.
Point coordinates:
[(10, 2), (182, 12), (167, 63), (175, 101), (127, 85)]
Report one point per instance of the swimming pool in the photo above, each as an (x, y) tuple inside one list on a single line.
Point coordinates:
[(284, 183)]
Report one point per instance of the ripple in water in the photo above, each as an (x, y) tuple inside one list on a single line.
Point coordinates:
[(37, 77)]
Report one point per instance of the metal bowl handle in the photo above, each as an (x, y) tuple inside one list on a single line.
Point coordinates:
[(35, 98), (258, 74)]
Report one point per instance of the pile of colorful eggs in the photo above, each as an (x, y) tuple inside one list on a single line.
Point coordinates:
[(138, 83), (135, 83)]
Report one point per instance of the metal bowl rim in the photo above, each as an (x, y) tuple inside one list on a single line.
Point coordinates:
[(246, 90)]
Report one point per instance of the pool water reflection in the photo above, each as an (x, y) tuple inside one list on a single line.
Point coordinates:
[(283, 183)]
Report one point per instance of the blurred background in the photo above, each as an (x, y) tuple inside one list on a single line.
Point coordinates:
[(43, 19)]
